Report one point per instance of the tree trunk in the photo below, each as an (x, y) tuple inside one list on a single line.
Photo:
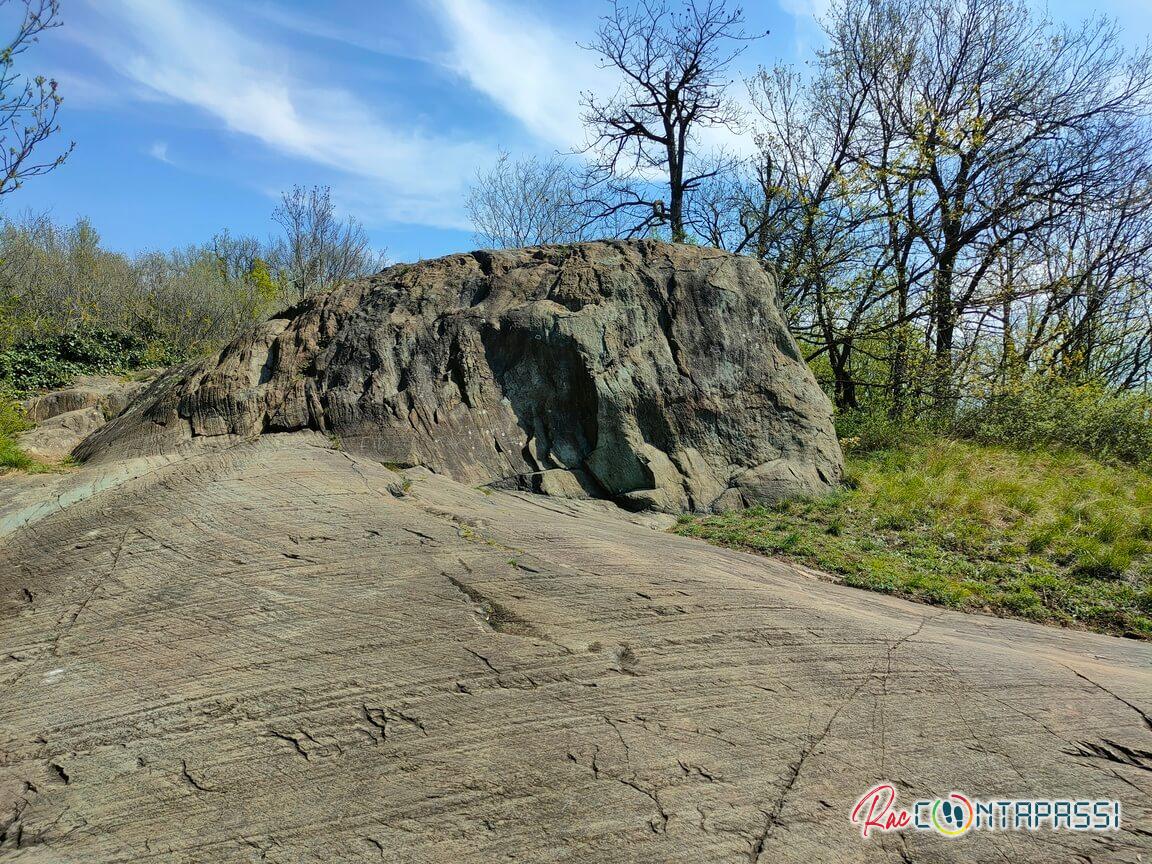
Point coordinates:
[(843, 384), (1008, 345), (944, 321), (676, 201), (900, 356)]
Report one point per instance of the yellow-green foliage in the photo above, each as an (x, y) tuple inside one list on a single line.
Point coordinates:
[(1055, 537), (58, 280), (265, 284), (1044, 412)]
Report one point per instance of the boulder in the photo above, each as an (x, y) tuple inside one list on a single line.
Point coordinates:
[(110, 393), (55, 438), (657, 375)]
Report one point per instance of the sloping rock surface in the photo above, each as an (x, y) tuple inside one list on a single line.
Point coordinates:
[(279, 652), (56, 437), (66, 417), (661, 376)]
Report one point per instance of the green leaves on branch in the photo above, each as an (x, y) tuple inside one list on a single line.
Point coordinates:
[(53, 361)]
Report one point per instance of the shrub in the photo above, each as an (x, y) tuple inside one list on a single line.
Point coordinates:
[(12, 420), (52, 361), (57, 280), (868, 430), (1089, 418)]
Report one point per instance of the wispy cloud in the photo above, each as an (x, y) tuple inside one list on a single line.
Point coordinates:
[(806, 17), (159, 152), (536, 71), (530, 69), (185, 54), (371, 39), (806, 8)]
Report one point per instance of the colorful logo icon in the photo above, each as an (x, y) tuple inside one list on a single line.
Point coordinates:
[(955, 815), (952, 816)]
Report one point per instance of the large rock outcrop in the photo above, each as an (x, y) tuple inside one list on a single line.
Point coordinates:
[(657, 375)]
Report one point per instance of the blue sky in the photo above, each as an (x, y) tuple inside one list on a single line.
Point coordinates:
[(190, 116)]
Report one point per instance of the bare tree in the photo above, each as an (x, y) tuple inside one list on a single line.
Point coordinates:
[(954, 185), (527, 203), (674, 69), (995, 126), (28, 107), (319, 250)]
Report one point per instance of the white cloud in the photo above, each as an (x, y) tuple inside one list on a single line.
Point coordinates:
[(159, 152), (806, 17), (532, 71), (185, 54), (806, 8), (372, 39), (537, 73)]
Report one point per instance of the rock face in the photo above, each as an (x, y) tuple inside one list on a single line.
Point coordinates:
[(110, 393), (56, 437), (660, 376), (64, 418)]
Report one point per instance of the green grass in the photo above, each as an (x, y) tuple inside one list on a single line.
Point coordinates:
[(12, 458), (1053, 537), (12, 421)]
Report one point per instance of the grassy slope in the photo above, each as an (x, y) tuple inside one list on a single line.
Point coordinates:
[(1054, 537)]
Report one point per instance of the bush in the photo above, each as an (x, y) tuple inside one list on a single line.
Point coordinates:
[(868, 430), (52, 361), (57, 280), (12, 421), (1090, 418)]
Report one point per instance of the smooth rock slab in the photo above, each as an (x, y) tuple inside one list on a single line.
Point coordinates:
[(281, 652), (110, 393)]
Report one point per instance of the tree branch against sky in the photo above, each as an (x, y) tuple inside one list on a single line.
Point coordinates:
[(28, 106), (396, 108), (527, 202), (673, 63)]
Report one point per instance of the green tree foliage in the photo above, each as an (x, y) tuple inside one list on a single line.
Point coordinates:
[(962, 177), (69, 306)]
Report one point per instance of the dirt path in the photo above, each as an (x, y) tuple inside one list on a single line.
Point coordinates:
[(278, 653)]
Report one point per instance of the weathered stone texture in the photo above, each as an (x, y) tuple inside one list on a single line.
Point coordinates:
[(277, 652), (661, 376)]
